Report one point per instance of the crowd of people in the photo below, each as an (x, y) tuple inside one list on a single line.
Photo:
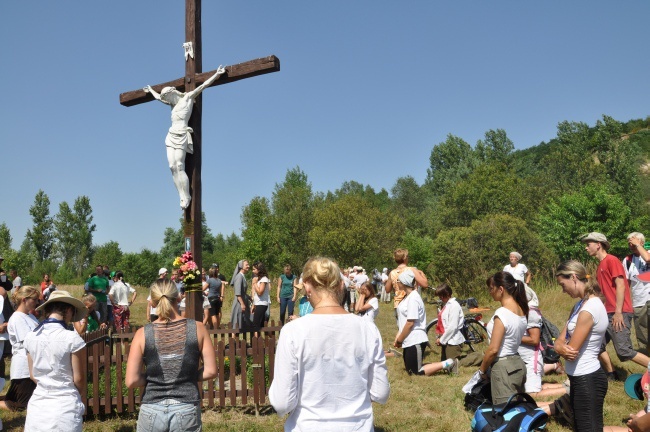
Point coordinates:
[(329, 348)]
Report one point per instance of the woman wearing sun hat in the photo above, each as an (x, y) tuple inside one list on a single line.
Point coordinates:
[(55, 363)]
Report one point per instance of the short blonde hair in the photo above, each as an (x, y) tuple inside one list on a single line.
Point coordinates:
[(88, 299), (401, 255)]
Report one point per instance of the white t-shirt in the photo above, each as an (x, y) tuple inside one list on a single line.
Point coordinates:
[(262, 300), (639, 290), (20, 325), (412, 308), (587, 361), (527, 352), (154, 310), (515, 327), (328, 370), (121, 291), (371, 314), (452, 320), (518, 272)]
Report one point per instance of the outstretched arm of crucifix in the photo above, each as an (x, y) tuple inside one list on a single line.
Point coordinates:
[(154, 93), (197, 91)]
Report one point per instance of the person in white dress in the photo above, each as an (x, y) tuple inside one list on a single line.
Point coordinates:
[(517, 269), (329, 365), (55, 363)]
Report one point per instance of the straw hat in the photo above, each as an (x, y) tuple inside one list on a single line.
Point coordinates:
[(65, 297)]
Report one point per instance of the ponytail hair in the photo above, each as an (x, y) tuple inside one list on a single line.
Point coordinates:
[(573, 267), (514, 287), (164, 296)]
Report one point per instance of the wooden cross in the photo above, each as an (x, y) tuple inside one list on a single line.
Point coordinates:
[(194, 78)]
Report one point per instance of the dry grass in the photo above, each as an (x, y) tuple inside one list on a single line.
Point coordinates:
[(416, 403)]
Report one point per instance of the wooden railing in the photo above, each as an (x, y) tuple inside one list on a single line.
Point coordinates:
[(244, 370)]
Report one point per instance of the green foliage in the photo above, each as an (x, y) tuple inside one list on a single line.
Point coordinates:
[(5, 238), (490, 189), (496, 147), (409, 200), (74, 233), (464, 257), (108, 254), (420, 249), (450, 161), (174, 241), (352, 231), (594, 208), (258, 234), (142, 268), (41, 234)]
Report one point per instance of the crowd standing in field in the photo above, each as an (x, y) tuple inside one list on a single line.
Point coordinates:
[(312, 361)]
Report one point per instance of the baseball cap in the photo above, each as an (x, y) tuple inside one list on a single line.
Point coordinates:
[(162, 271), (596, 237)]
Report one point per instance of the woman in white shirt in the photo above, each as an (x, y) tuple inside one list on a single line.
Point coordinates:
[(579, 343), (20, 324), (367, 305), (55, 364), (261, 296), (517, 269), (505, 330), (329, 365)]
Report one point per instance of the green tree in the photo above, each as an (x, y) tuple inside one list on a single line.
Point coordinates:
[(352, 231), (257, 233), (41, 234), (108, 254), (464, 257), (174, 241), (5, 238), (291, 205), (410, 201), (496, 147), (594, 208), (450, 161), (74, 233), (420, 249), (141, 268)]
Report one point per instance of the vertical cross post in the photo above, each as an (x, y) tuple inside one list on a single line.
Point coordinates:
[(192, 227)]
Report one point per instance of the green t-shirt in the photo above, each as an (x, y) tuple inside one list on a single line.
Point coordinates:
[(92, 323), (286, 289), (98, 283)]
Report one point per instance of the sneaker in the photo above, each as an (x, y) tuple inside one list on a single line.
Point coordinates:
[(454, 368)]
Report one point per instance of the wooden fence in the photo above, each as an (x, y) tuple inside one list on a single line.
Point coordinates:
[(244, 370)]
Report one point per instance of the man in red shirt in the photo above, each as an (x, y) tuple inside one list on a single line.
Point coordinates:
[(618, 303)]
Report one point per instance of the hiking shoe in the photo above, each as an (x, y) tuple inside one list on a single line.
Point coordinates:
[(563, 409), (612, 376), (454, 367)]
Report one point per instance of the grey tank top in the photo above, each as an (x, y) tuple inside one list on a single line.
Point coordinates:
[(171, 357)]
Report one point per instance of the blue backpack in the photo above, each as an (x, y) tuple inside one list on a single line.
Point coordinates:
[(519, 414)]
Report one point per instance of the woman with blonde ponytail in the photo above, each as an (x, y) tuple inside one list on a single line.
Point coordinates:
[(505, 330), (21, 323), (175, 345), (580, 343)]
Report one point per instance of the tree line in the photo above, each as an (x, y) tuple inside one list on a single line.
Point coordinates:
[(476, 204)]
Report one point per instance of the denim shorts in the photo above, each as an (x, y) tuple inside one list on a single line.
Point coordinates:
[(169, 416)]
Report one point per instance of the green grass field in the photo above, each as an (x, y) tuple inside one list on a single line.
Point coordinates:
[(416, 402)]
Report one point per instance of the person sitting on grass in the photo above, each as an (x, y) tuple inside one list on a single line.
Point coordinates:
[(450, 322), (367, 305), (412, 335)]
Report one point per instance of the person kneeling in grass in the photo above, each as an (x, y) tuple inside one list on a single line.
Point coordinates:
[(412, 335)]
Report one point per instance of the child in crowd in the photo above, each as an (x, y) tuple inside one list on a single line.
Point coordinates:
[(368, 304)]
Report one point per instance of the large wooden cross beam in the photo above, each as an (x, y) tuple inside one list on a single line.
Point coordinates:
[(192, 79)]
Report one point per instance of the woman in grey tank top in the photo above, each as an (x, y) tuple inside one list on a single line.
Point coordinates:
[(170, 348)]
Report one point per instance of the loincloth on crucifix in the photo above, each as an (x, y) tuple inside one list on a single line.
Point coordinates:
[(180, 139)]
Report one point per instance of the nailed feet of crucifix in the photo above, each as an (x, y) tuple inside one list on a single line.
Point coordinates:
[(179, 136)]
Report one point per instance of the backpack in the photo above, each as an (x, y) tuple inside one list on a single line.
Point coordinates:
[(481, 393), (518, 414), (549, 332)]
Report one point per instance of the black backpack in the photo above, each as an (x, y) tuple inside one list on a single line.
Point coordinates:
[(549, 332), (481, 393)]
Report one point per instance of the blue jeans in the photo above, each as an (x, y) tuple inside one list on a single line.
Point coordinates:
[(168, 417), (284, 302)]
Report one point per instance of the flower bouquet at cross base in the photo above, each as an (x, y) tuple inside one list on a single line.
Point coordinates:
[(188, 271)]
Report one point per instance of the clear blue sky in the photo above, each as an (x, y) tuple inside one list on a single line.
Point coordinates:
[(366, 89)]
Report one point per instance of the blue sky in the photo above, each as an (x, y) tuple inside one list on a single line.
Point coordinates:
[(366, 89)]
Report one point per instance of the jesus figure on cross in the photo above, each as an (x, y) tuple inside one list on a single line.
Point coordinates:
[(179, 138)]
